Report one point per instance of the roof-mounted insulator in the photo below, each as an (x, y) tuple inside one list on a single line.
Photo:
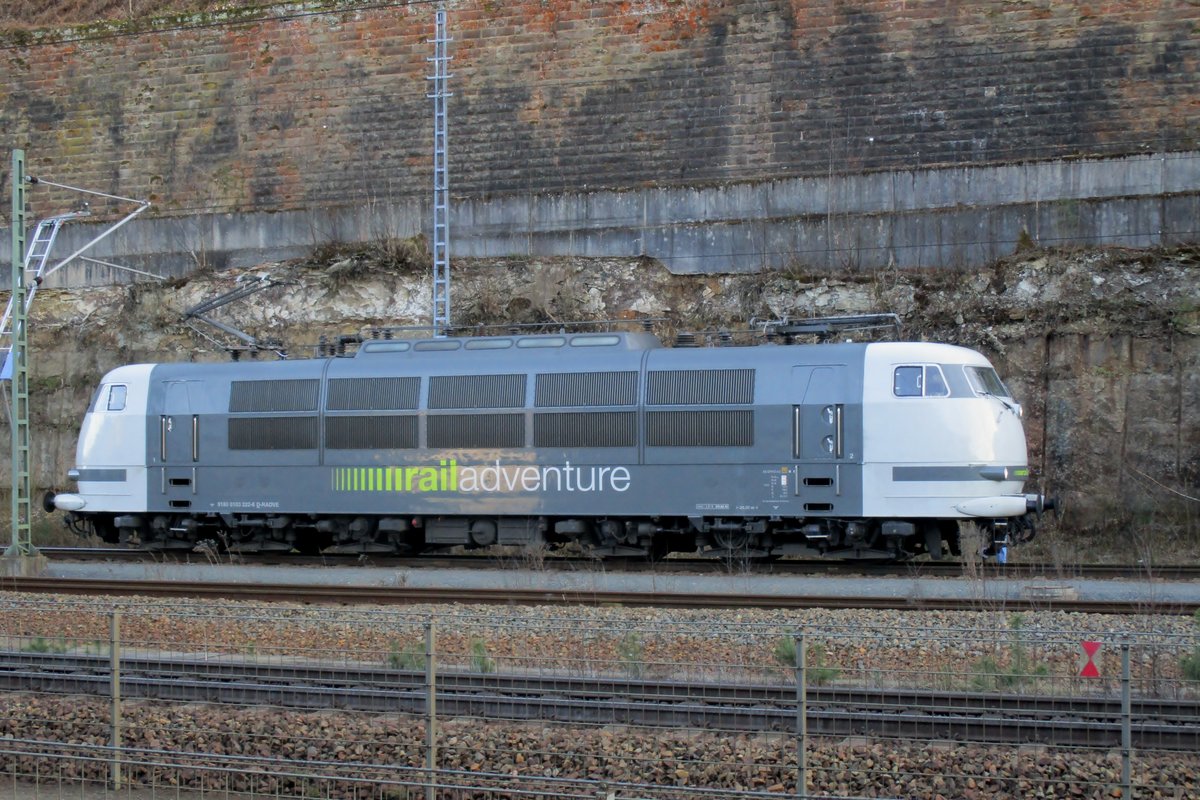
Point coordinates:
[(684, 339)]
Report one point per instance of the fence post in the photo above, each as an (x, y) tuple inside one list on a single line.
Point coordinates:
[(114, 656), (1126, 724), (430, 711), (801, 717)]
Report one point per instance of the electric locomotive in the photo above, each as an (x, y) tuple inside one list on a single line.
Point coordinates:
[(612, 440)]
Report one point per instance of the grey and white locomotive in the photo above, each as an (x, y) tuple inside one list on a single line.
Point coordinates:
[(612, 440)]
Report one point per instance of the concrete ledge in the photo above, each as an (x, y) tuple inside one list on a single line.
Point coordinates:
[(29, 566), (959, 216)]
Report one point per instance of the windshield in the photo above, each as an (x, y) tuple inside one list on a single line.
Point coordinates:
[(984, 380)]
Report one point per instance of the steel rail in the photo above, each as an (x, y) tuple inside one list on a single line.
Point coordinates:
[(354, 674), (907, 569), (405, 595), (833, 711)]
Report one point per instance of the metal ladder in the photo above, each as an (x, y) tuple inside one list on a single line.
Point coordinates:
[(37, 256)]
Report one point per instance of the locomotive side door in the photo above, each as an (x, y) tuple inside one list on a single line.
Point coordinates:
[(179, 441), (819, 435)]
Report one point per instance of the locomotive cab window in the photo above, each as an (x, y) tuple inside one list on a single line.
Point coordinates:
[(116, 397), (920, 381), (984, 380)]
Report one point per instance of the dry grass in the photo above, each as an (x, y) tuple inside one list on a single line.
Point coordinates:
[(1150, 543)]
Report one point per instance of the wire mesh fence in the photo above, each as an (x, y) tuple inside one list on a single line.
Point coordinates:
[(291, 701)]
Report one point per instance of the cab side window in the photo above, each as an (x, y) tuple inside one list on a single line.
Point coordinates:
[(116, 397), (920, 381), (908, 382), (935, 382)]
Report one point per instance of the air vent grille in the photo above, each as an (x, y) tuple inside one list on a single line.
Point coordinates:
[(272, 433), (585, 389), (694, 387), (595, 429), (476, 431), (700, 428), (371, 433), (477, 391), (260, 396), (374, 394)]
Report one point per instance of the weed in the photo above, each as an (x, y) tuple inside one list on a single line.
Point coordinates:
[(631, 652), (1189, 664), (1025, 242), (991, 675), (480, 660), (47, 531), (402, 256), (40, 645), (816, 672), (411, 657)]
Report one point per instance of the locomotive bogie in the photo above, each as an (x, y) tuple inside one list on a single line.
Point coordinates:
[(612, 442)]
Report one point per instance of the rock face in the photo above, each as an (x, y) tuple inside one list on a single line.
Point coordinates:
[(1101, 347)]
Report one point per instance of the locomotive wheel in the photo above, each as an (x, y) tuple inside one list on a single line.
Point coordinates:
[(731, 540)]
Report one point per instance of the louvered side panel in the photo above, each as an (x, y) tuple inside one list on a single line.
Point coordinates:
[(477, 391), (273, 433), (700, 387), (260, 396), (700, 428), (371, 433), (596, 429), (374, 394), (476, 431), (585, 389)]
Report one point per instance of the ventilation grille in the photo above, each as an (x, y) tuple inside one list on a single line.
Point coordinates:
[(700, 428), (273, 395), (690, 387), (371, 433), (474, 431), (598, 429), (273, 433), (373, 394), (586, 389), (477, 391)]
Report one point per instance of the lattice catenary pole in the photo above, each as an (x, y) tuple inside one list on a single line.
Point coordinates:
[(22, 544), (441, 191)]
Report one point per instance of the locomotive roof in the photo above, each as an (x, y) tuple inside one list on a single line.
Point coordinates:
[(616, 341)]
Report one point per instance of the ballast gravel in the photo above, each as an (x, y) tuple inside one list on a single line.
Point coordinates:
[(928, 649)]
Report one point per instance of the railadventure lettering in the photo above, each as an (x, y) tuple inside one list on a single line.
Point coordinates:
[(450, 476)]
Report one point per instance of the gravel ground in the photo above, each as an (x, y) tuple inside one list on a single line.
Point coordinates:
[(29, 790), (920, 648)]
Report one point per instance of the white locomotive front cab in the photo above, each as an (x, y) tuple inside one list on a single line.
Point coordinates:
[(942, 438), (110, 457)]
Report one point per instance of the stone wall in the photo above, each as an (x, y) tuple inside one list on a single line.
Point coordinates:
[(300, 105)]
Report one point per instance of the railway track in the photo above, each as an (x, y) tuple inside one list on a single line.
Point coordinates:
[(922, 569), (831, 711), (407, 595)]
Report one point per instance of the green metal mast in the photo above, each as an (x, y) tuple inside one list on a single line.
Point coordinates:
[(22, 543)]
